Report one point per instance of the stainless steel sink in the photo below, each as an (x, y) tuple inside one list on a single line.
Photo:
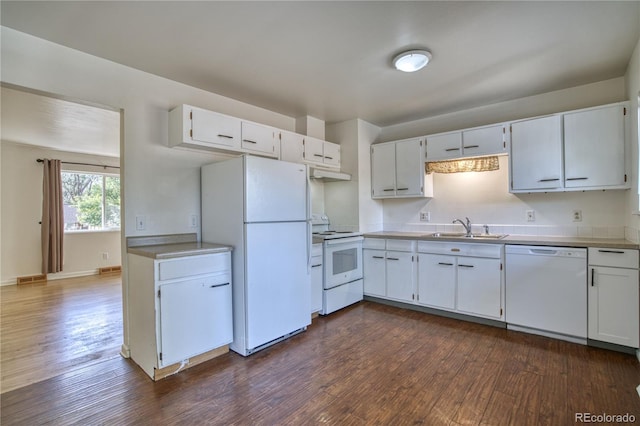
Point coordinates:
[(462, 235)]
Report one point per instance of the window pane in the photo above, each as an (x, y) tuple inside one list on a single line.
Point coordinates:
[(112, 202)]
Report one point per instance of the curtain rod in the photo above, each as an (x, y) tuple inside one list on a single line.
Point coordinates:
[(40, 160)]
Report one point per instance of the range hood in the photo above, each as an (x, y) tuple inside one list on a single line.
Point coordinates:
[(328, 175)]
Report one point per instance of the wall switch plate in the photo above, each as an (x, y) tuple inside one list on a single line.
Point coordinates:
[(193, 221), (425, 216), (141, 223), (531, 215), (577, 215)]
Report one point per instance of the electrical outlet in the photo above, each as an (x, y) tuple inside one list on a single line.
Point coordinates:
[(531, 215), (194, 221), (425, 216), (577, 215), (141, 223), (105, 256)]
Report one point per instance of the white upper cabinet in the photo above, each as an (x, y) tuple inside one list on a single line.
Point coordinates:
[(291, 147), (397, 170), (489, 140), (383, 170), (536, 154), (199, 128), (594, 148), (321, 153), (260, 139), (444, 146)]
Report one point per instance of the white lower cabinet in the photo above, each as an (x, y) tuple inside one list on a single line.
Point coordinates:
[(183, 309), (466, 278), (389, 269), (316, 278), (614, 298)]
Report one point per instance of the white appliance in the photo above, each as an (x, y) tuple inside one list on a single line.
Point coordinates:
[(260, 207), (342, 278), (546, 291)]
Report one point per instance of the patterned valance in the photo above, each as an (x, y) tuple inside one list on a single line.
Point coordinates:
[(483, 164)]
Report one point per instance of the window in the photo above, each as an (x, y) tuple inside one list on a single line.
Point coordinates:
[(91, 201)]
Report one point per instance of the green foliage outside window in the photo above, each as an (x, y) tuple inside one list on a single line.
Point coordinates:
[(92, 201)]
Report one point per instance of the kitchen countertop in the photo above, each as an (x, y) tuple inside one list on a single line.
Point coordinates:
[(171, 246), (531, 240)]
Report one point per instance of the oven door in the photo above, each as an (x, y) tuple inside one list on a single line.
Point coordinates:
[(342, 261)]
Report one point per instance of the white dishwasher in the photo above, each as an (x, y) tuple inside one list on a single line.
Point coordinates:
[(546, 291)]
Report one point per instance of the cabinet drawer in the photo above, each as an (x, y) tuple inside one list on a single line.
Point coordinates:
[(374, 243), (461, 249), (401, 245), (193, 265), (617, 258), (316, 262)]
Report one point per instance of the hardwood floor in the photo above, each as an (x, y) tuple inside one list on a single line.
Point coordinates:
[(51, 328), (367, 364)]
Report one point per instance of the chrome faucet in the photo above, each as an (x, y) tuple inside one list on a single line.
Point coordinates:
[(467, 226)]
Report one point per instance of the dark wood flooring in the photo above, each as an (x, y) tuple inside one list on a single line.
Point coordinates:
[(367, 364)]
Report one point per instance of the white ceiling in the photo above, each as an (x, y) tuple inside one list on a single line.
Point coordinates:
[(33, 119), (332, 60)]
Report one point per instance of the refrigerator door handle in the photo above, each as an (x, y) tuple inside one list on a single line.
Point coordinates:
[(308, 221)]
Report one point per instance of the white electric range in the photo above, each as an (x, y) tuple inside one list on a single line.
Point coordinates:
[(342, 283)]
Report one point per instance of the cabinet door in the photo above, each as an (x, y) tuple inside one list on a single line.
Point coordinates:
[(594, 148), (400, 276), (409, 168), (291, 147), (218, 129), (444, 147), (613, 305), (331, 154), (195, 317), (484, 141), (374, 271), (383, 170), (313, 150), (536, 154), (316, 284), (258, 138), (479, 287), (437, 280)]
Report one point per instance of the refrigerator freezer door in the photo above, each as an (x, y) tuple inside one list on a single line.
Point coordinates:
[(275, 191), (277, 281)]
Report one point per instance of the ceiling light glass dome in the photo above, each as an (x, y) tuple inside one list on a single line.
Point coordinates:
[(412, 60)]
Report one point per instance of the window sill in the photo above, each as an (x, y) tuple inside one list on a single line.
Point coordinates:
[(92, 231)]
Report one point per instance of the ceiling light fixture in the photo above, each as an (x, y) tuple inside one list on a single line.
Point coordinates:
[(412, 60)]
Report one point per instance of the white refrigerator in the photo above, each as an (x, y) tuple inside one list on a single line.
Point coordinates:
[(261, 207)]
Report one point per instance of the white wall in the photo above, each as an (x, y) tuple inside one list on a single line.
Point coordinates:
[(484, 197), (632, 82), (22, 209)]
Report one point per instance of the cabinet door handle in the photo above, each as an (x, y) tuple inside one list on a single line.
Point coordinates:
[(460, 265), (315, 266), (472, 146), (378, 257), (225, 136), (580, 178), (389, 189), (403, 189), (318, 155), (452, 149), (445, 263), (218, 285), (249, 141), (593, 277), (549, 180), (328, 158), (392, 258), (611, 251)]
